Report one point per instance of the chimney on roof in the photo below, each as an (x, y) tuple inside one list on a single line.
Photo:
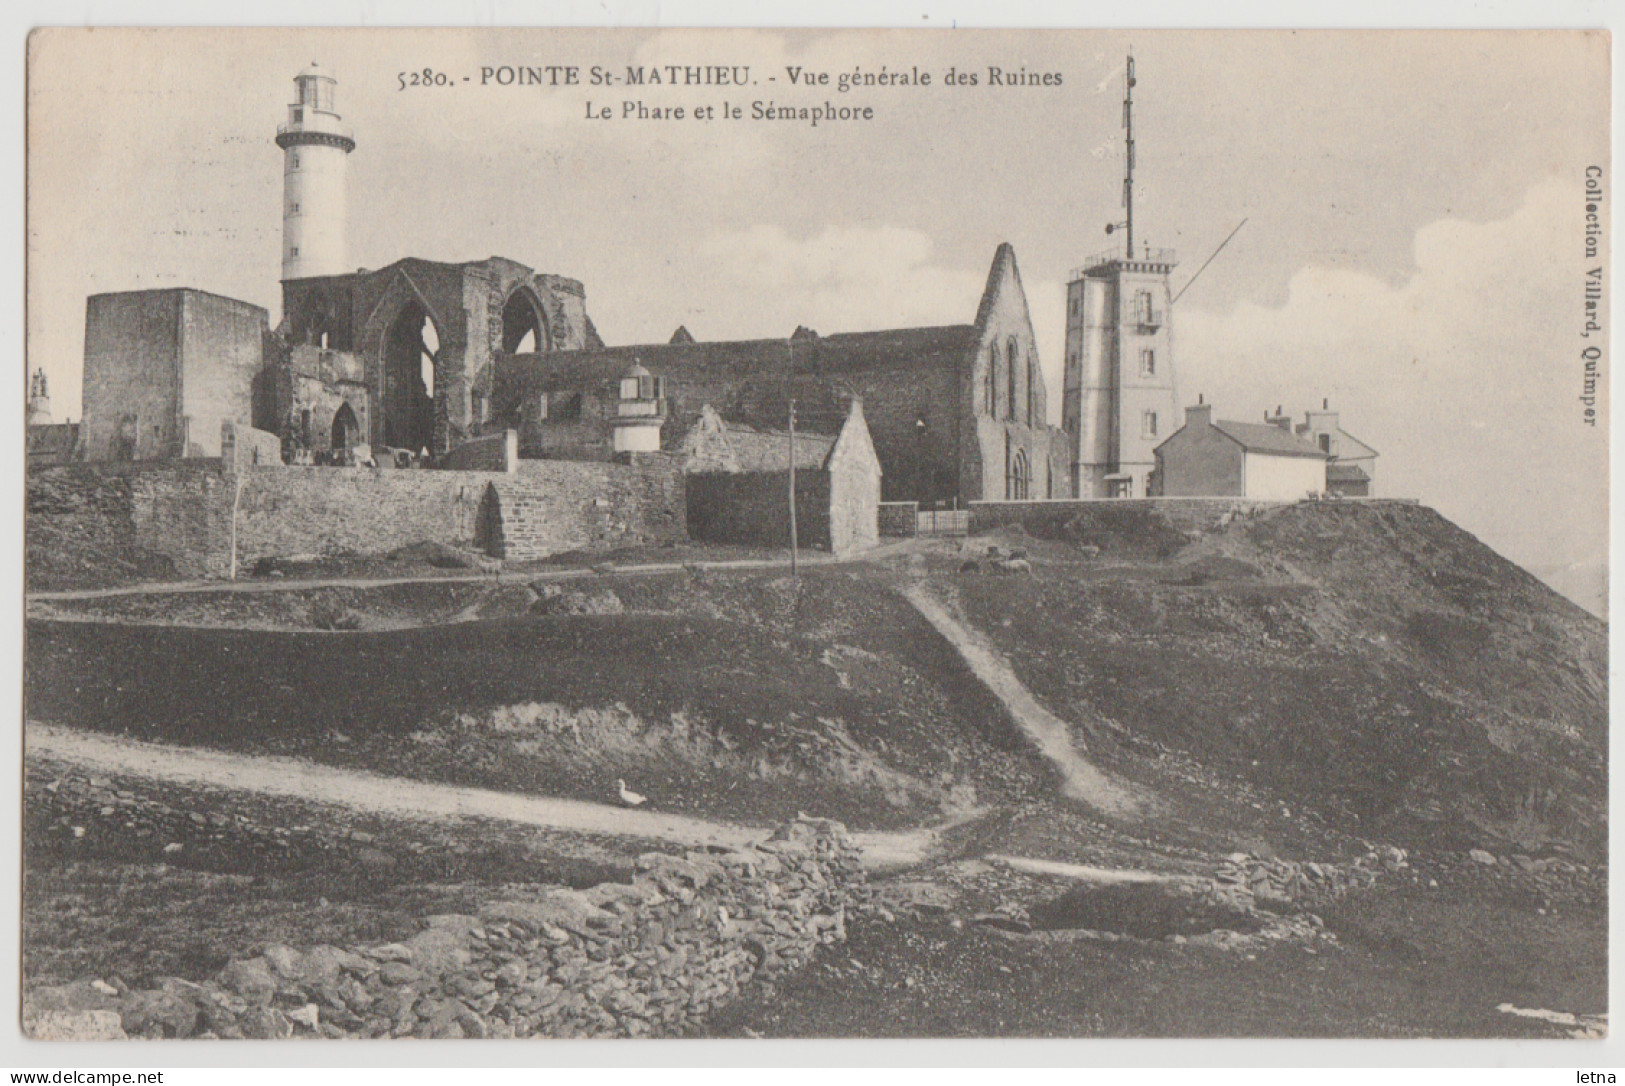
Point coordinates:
[(1280, 419), (1199, 415)]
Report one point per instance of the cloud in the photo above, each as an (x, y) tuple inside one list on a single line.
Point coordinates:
[(762, 281), (1465, 375)]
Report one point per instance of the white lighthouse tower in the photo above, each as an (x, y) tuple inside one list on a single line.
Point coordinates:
[(315, 147)]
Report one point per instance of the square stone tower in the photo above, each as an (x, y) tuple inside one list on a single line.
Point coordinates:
[(1118, 400)]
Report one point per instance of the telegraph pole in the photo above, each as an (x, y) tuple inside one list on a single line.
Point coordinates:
[(794, 558)]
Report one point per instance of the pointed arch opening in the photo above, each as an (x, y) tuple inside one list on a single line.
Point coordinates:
[(411, 353), (523, 330), (1012, 362), (992, 392), (346, 430), (1018, 487)]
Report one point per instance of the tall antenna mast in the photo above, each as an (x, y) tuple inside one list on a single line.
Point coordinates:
[(1128, 158)]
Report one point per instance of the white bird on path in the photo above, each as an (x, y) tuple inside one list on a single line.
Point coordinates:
[(628, 797)]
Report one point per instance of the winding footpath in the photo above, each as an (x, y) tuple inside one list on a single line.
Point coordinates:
[(1080, 779), (291, 778)]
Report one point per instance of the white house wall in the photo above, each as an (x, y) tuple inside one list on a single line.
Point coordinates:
[(1282, 478)]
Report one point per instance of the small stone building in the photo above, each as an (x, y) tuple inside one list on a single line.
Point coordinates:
[(837, 496), (712, 445), (1218, 458)]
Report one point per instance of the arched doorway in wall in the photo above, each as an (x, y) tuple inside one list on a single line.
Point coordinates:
[(411, 351), (346, 429), (523, 330), (1019, 486)]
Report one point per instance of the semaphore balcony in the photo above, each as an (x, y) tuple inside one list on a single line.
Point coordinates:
[(1148, 260)]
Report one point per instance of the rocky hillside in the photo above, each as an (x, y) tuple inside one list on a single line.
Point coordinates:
[(1369, 662)]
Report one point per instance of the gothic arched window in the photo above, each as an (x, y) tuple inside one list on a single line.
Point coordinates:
[(993, 379)]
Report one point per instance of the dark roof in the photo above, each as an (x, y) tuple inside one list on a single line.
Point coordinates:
[(1258, 437), (1346, 473), (769, 450), (847, 350)]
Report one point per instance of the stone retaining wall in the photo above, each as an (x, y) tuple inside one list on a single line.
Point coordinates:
[(184, 515), (493, 452), (651, 957), (549, 506), (1071, 519)]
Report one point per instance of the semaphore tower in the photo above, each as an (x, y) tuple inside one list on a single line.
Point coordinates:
[(1118, 401)]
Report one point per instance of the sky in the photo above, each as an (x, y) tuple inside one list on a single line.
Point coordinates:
[(1415, 208)]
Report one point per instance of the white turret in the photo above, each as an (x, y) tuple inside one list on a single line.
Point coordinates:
[(39, 401), (315, 146), (640, 412)]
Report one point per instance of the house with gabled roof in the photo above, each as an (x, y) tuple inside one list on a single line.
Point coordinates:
[(836, 483), (1210, 457), (1352, 470)]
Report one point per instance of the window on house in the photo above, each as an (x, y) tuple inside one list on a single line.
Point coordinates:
[(1148, 424), (298, 115), (541, 407), (1325, 443), (1032, 393), (293, 250), (293, 207), (1148, 363), (293, 159)]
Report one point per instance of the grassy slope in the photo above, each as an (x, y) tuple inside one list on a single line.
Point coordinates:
[(724, 698), (1375, 664), (1371, 666), (1408, 964)]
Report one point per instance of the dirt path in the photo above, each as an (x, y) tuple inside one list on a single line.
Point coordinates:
[(398, 797), (171, 588), (1105, 876), (1080, 779)]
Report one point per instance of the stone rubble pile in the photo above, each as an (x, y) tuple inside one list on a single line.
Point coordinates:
[(651, 957), (79, 805), (1557, 879), (1244, 880)]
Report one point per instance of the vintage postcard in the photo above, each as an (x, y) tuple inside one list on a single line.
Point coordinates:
[(816, 534)]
